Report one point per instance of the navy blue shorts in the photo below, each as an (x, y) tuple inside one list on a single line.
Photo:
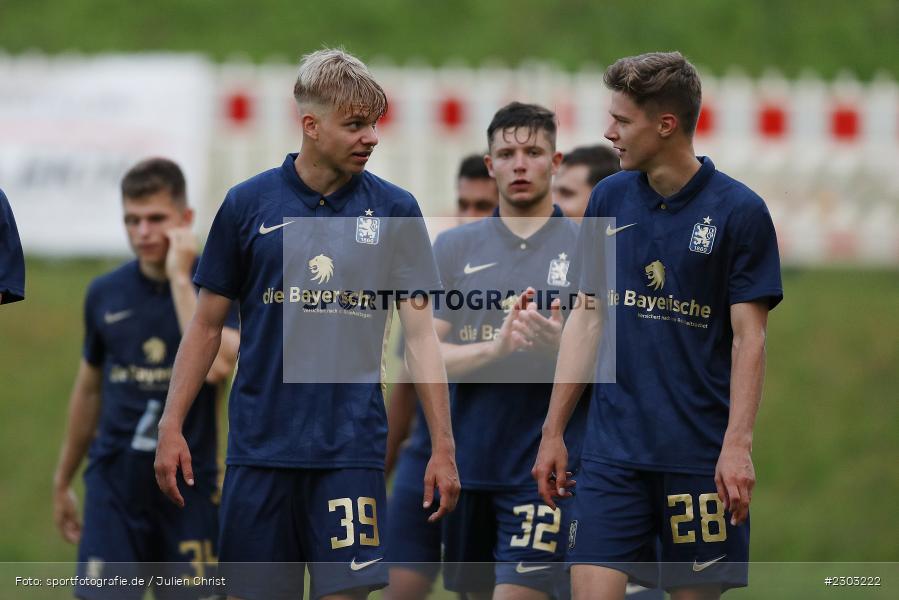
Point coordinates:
[(132, 530), (496, 537), (623, 518), (412, 542), (277, 522)]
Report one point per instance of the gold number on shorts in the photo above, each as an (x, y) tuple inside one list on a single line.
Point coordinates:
[(705, 518), (527, 527), (716, 517), (523, 540), (201, 555), (551, 528), (367, 512), (346, 522), (676, 520), (368, 519)]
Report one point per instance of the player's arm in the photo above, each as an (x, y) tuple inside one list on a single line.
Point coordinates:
[(199, 347), (427, 371), (178, 264), (574, 369), (734, 473), (461, 359), (400, 414), (81, 427)]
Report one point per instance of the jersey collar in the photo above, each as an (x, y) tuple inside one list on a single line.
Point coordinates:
[(310, 197), (505, 234), (682, 197)]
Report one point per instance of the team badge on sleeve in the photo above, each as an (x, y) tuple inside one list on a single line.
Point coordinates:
[(703, 237), (558, 271), (368, 228)]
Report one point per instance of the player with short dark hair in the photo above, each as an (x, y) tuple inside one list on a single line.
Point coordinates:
[(667, 458), (501, 540), (580, 171), (12, 261), (294, 244), (413, 549), (134, 317)]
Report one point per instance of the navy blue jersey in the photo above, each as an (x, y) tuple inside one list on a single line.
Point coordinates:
[(309, 271), (12, 261), (132, 333), (682, 261), (498, 410)]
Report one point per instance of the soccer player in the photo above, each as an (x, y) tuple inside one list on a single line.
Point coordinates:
[(413, 549), (304, 480), (501, 362), (667, 456), (134, 317), (12, 261), (580, 171)]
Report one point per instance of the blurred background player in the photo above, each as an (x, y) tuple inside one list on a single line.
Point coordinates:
[(667, 458), (580, 171), (12, 261), (413, 548), (305, 480), (501, 540), (134, 317)]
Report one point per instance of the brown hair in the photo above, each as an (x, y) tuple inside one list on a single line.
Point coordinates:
[(154, 175), (334, 78), (659, 81)]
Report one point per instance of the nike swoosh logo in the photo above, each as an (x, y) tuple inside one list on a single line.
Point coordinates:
[(520, 568), (115, 317), (697, 567), (610, 232), (354, 566), (633, 588), (263, 229), (468, 270)]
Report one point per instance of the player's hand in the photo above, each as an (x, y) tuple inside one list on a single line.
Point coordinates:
[(549, 470), (65, 514), (441, 473), (182, 253), (510, 339), (172, 453), (735, 478), (540, 333)]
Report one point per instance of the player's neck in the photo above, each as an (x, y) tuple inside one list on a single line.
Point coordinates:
[(317, 175), (524, 221), (152, 271), (670, 173)]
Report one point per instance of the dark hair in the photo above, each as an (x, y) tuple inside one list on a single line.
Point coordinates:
[(517, 114), (153, 175), (601, 161), (659, 80), (473, 167)]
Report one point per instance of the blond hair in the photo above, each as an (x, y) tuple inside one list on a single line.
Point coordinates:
[(334, 78)]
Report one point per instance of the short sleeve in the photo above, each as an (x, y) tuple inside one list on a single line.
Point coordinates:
[(755, 264), (12, 260), (94, 348), (221, 267), (412, 266), (591, 250), (444, 256)]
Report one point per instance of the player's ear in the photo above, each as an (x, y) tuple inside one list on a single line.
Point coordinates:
[(488, 162), (557, 162), (188, 215), (667, 124), (309, 122)]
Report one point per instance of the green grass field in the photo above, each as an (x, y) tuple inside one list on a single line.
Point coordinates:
[(825, 445), (826, 36)]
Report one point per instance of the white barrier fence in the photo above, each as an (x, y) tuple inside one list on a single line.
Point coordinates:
[(824, 155)]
